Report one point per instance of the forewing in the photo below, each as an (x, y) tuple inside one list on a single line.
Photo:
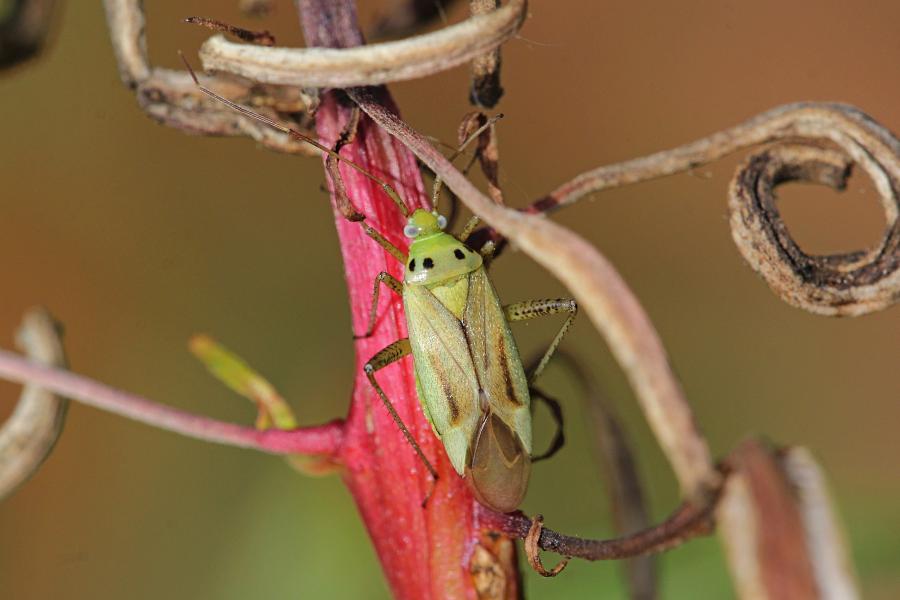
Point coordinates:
[(496, 357), (448, 387)]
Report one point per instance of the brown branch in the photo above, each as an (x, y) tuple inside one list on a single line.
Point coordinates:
[(486, 89), (848, 284), (825, 542), (171, 98), (606, 298), (30, 433), (687, 522), (322, 439), (762, 529), (374, 64), (532, 550), (488, 152)]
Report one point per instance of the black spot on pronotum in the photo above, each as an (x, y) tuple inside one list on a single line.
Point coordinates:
[(459, 254), (428, 263), (412, 265)]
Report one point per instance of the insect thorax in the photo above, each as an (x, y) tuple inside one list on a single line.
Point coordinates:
[(439, 259)]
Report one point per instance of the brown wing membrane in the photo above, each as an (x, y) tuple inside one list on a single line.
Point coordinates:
[(499, 469)]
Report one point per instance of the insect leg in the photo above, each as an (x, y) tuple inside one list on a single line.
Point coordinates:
[(529, 309), (383, 358), (559, 438), (391, 192), (384, 243), (480, 123), (471, 224), (344, 205), (342, 198), (388, 280)]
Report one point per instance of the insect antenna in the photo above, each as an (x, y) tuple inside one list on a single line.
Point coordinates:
[(438, 182), (392, 194)]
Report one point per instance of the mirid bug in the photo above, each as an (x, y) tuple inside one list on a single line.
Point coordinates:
[(470, 379)]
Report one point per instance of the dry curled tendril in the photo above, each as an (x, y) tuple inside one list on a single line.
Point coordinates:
[(28, 436), (842, 284), (813, 142), (533, 550)]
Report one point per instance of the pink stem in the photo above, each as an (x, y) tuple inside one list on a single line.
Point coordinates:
[(321, 439)]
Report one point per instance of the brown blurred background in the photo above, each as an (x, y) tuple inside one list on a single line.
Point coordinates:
[(137, 236)]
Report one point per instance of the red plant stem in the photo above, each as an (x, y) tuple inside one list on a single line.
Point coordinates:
[(321, 439), (424, 552)]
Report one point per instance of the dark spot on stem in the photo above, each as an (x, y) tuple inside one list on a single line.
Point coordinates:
[(459, 254), (428, 263), (412, 265)]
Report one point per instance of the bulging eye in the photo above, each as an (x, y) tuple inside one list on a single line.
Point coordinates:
[(442, 221), (411, 230)]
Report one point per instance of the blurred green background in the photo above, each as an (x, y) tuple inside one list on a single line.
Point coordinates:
[(137, 236)]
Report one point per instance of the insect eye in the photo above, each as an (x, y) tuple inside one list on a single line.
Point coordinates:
[(411, 230), (442, 221)]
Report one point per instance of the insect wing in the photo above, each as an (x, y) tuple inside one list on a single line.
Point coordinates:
[(448, 387), (500, 467), (496, 357), (501, 450)]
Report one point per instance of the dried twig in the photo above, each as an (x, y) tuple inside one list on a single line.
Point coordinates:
[(30, 433), (687, 522), (171, 98), (831, 563), (486, 90), (836, 285), (488, 152), (532, 551), (322, 439), (474, 126), (762, 529), (847, 284), (367, 65)]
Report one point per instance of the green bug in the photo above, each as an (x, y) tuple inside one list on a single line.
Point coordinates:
[(469, 377), (470, 380)]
